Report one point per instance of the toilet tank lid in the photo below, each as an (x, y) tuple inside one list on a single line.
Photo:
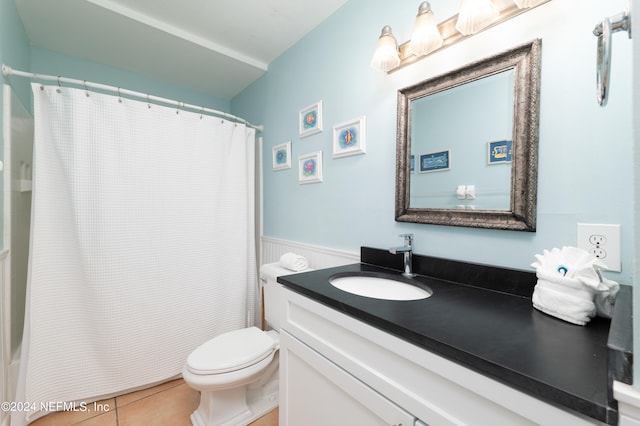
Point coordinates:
[(231, 351), (271, 271)]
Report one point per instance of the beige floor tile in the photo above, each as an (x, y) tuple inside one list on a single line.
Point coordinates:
[(143, 393), (108, 419), (168, 404), (269, 419), (170, 407), (65, 418)]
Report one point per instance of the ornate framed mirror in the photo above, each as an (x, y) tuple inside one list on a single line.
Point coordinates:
[(467, 144)]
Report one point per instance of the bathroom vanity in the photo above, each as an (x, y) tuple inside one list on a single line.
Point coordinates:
[(475, 352)]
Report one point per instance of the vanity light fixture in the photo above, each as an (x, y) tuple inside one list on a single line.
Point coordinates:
[(386, 56), (426, 37), (429, 37), (524, 4), (475, 15)]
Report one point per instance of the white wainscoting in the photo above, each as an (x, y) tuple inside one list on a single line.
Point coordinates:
[(319, 257)]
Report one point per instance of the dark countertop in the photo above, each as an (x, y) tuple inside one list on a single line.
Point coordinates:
[(492, 332)]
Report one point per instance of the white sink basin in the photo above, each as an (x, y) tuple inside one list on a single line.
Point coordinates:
[(379, 288)]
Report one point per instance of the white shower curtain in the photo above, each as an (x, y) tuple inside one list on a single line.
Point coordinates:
[(142, 242)]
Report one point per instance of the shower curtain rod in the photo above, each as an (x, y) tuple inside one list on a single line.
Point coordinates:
[(7, 71)]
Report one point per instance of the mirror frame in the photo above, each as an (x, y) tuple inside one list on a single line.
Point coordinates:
[(525, 60)]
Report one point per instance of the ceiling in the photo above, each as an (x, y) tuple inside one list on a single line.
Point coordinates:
[(217, 47)]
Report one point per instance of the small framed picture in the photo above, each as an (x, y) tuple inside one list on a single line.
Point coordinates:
[(412, 163), (500, 152), (310, 119), (349, 138), (282, 156), (310, 167), (435, 161)]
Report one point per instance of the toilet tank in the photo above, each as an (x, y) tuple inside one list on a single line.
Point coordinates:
[(272, 292)]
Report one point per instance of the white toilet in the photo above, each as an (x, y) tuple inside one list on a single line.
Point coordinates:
[(237, 372)]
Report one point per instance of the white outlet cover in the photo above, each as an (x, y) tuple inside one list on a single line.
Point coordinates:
[(607, 238)]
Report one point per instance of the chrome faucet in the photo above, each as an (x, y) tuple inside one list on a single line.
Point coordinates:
[(407, 250)]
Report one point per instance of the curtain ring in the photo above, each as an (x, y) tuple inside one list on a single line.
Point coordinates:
[(148, 101), (202, 112), (178, 109), (38, 80), (86, 90), (59, 86), (119, 96)]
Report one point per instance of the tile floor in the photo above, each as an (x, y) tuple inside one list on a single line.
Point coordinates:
[(168, 404)]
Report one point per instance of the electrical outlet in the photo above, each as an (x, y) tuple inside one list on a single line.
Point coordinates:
[(603, 241)]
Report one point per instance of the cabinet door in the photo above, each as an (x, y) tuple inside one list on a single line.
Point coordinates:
[(316, 392)]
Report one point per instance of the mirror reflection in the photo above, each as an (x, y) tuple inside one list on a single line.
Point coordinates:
[(467, 144), (475, 155)]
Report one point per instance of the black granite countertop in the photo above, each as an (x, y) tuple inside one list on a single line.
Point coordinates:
[(493, 332)]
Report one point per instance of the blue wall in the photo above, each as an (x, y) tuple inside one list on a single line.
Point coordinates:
[(585, 167), (45, 61), (14, 46), (14, 51)]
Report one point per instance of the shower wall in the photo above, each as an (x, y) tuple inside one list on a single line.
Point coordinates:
[(17, 174)]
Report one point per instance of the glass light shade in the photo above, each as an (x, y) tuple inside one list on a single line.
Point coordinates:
[(523, 4), (426, 37), (474, 15), (386, 56)]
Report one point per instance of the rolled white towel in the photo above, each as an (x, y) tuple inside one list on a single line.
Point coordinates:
[(563, 305), (293, 261), (564, 298)]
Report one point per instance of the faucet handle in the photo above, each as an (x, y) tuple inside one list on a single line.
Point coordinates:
[(408, 238)]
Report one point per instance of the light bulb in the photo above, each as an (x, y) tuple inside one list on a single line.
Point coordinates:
[(386, 55), (475, 15), (426, 37)]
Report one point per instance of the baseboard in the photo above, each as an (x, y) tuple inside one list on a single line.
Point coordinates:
[(628, 398)]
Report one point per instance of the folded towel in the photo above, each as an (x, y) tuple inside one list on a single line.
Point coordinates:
[(571, 302), (605, 300), (294, 262), (571, 286), (571, 262)]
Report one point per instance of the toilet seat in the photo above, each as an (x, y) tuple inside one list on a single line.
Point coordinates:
[(231, 351)]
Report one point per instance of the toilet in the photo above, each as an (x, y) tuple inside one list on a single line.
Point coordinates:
[(237, 372)]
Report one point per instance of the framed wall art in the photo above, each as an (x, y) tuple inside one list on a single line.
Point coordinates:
[(282, 156), (310, 119), (310, 167), (500, 152), (435, 161), (349, 138)]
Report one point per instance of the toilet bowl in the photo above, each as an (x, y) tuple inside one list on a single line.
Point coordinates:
[(237, 372)]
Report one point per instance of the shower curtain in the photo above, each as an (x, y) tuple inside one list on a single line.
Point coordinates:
[(142, 242)]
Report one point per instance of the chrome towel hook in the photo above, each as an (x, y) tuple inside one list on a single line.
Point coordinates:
[(608, 26)]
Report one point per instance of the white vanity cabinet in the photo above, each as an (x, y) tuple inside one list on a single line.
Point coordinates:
[(335, 369), (317, 392)]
